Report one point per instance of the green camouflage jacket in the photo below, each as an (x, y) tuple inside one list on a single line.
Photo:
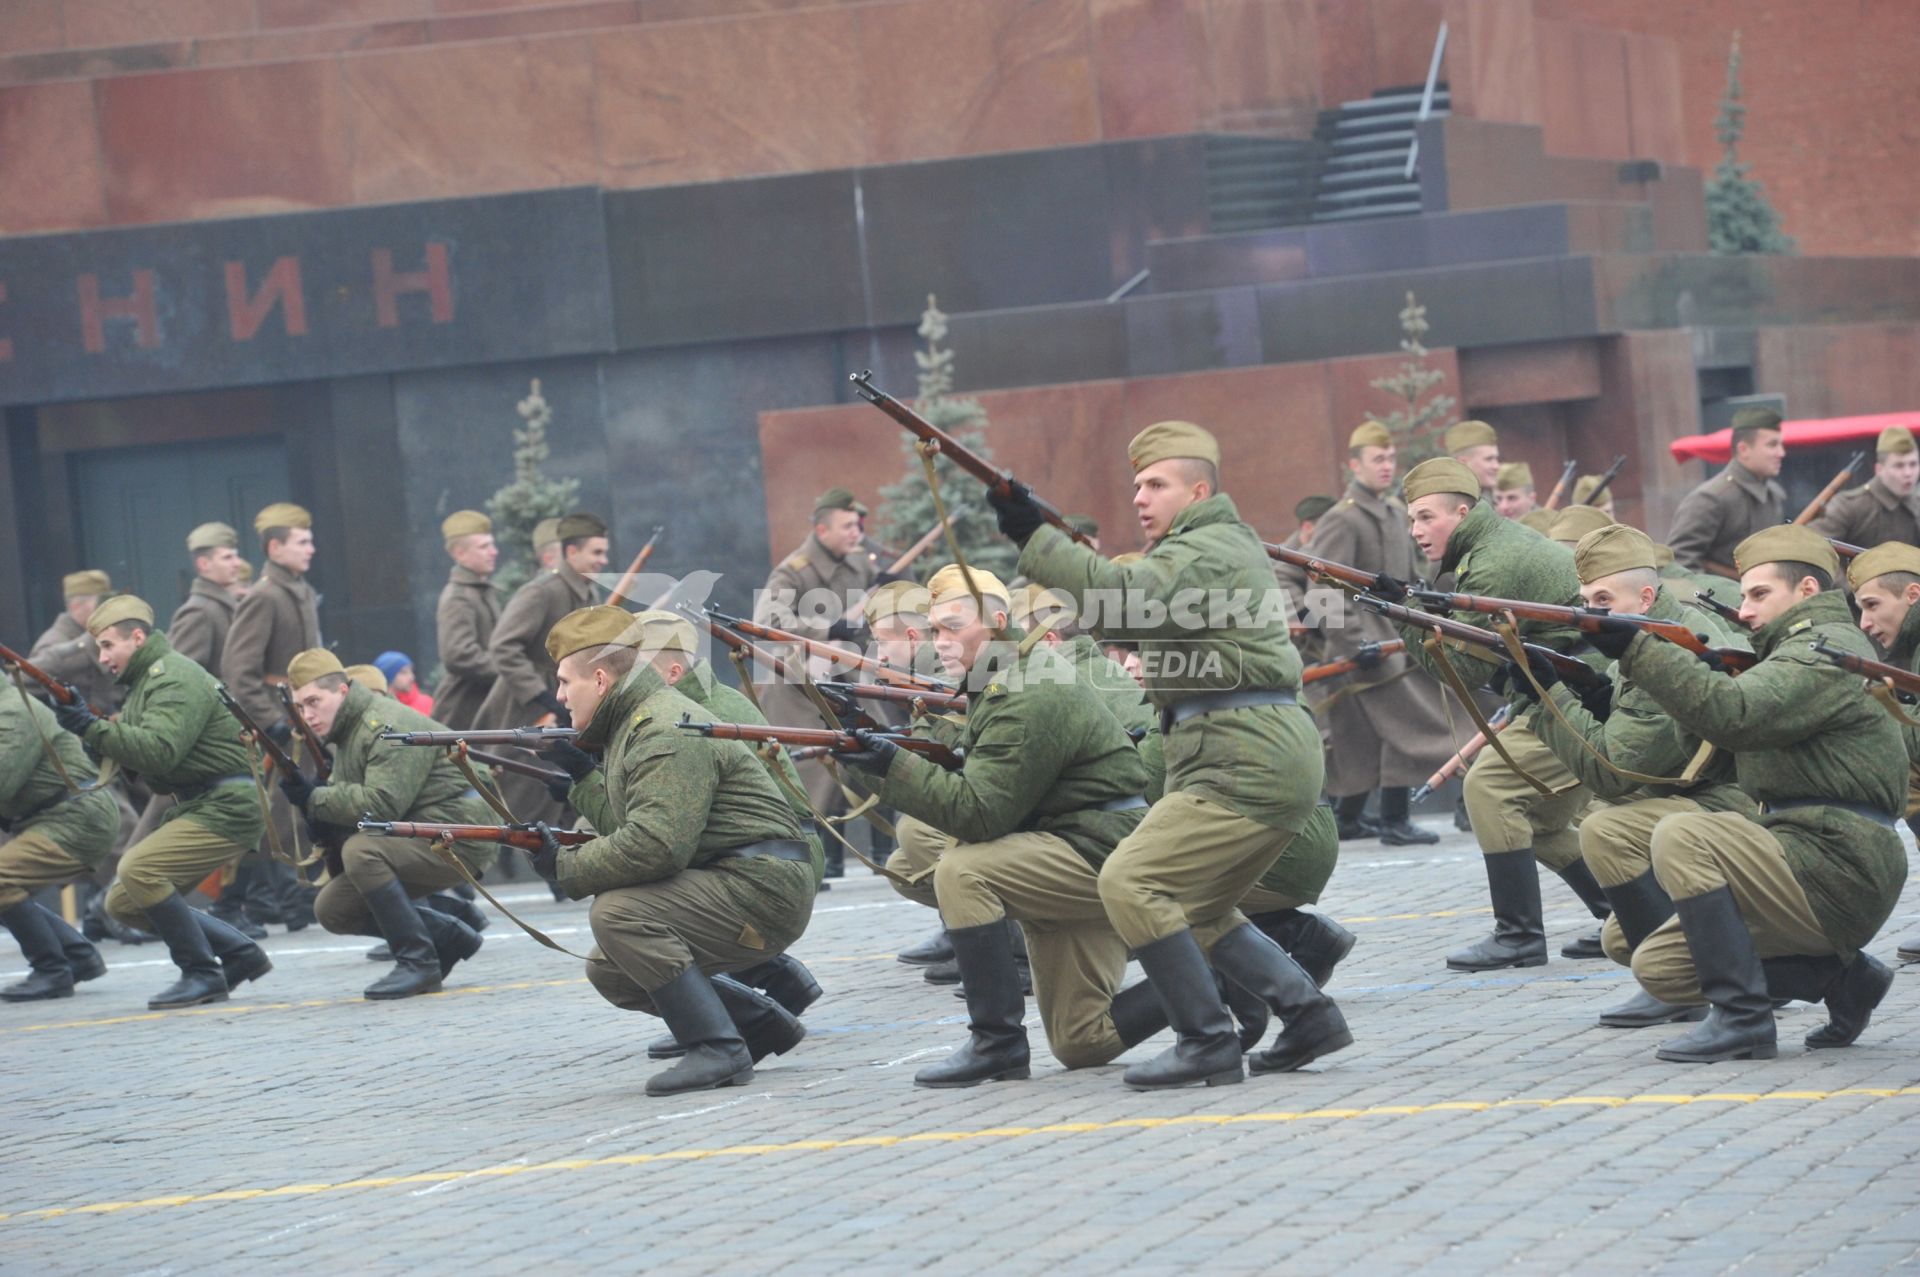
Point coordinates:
[(1800, 727), (727, 705), (1303, 868), (381, 780), (33, 795), (174, 733)]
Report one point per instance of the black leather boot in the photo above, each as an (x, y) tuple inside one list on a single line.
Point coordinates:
[(50, 975), (1851, 991), (1739, 1023), (935, 948), (716, 1055), (1585, 886), (785, 979), (97, 919), (229, 910), (1519, 938), (81, 954), (1351, 819), (1642, 907), (241, 959), (1207, 1049), (1311, 1025), (201, 979), (1396, 822), (1137, 1013), (461, 907), (379, 953), (416, 964), (453, 940), (996, 1046), (1313, 940), (765, 1026), (1908, 947)]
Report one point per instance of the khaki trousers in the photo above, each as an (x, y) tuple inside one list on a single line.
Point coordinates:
[(645, 936), (1701, 852), (914, 858), (1186, 866), (30, 861), (371, 863), (1077, 959), (172, 858), (1508, 814), (1617, 844)]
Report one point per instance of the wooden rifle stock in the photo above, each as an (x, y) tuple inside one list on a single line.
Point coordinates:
[(268, 745), (505, 764), (59, 690), (525, 837), (1466, 754), (1846, 549), (839, 742), (1333, 669), (625, 583), (894, 695), (915, 550), (1902, 680), (1324, 569), (1000, 482), (825, 651), (1562, 488), (1574, 672), (1724, 611), (1826, 494), (530, 737), (1606, 480)]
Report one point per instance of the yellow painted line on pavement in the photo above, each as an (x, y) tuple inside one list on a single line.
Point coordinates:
[(992, 1133)]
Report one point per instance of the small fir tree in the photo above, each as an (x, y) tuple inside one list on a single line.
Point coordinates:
[(1422, 415), (906, 509), (1739, 217), (531, 497)]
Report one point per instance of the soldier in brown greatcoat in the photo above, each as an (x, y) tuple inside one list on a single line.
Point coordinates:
[(1736, 503), (812, 592), (1886, 508), (198, 630), (65, 649), (469, 609), (1386, 721)]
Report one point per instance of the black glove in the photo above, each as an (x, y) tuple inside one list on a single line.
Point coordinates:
[(1368, 657), (75, 716), (1612, 638), (570, 758), (888, 578), (281, 734), (1598, 699), (546, 859), (326, 834), (551, 703), (297, 788), (1543, 673), (875, 754), (845, 631), (1390, 588), (1019, 517)]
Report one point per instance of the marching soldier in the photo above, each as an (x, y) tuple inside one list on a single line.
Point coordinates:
[(1513, 494), (525, 691), (61, 828), (813, 592), (1388, 726), (1778, 906), (1736, 503), (1886, 586), (699, 867), (1475, 445), (198, 630), (1886, 507), (279, 617), (468, 611), (176, 735), (66, 651), (1631, 755), (1515, 823), (1243, 761), (374, 779)]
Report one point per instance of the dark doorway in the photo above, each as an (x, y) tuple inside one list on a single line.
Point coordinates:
[(134, 507)]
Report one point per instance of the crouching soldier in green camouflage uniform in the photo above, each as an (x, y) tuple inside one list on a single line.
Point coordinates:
[(1050, 784), (175, 734), (1630, 753), (1515, 823), (1779, 906), (1886, 585), (1244, 764), (699, 867), (674, 647), (374, 779), (57, 834)]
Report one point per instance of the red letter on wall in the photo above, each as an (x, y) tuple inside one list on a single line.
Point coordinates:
[(433, 281), (281, 285), (137, 306)]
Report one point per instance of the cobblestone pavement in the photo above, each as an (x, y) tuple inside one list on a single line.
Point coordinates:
[(1479, 1123)]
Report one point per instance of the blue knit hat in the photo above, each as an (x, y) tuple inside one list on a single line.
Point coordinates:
[(391, 663)]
